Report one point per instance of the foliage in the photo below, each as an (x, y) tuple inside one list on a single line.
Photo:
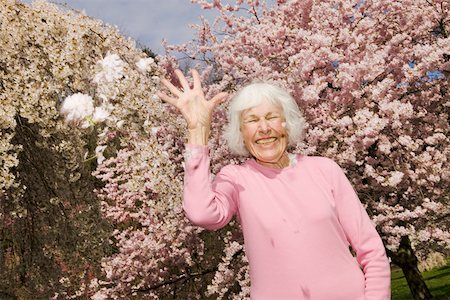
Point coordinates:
[(437, 279)]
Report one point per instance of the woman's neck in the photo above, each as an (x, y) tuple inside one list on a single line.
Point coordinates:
[(283, 162)]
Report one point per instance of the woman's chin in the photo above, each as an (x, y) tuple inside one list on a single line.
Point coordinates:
[(269, 156)]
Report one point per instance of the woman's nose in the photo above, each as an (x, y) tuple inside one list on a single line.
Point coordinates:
[(264, 125)]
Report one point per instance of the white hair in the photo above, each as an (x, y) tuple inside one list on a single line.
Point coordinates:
[(253, 95)]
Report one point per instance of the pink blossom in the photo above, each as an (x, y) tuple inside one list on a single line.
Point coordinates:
[(395, 178)]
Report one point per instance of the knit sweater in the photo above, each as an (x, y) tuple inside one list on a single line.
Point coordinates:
[(298, 223)]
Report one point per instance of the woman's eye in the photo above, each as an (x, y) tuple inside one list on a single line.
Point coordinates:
[(251, 121)]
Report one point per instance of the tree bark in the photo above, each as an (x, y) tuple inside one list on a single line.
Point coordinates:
[(408, 262)]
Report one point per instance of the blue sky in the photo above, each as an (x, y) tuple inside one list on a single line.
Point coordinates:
[(146, 21)]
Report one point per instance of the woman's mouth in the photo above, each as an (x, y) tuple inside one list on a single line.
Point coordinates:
[(266, 140)]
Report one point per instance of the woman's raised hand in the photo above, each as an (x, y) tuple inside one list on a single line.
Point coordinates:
[(191, 102)]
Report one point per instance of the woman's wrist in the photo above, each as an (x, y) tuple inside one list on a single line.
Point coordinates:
[(198, 135)]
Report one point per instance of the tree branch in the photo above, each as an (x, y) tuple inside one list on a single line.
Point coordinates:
[(175, 280)]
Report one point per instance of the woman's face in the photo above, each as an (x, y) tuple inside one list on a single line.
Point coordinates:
[(264, 132)]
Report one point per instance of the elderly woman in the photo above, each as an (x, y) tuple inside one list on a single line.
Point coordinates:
[(299, 214)]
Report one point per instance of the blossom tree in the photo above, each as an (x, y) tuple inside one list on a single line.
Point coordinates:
[(91, 166), (85, 173), (372, 78)]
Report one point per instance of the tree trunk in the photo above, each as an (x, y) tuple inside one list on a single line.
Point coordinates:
[(407, 260)]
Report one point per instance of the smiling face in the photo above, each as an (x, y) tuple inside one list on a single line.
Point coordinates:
[(264, 133)]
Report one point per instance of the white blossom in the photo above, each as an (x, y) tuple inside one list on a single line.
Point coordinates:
[(120, 124), (77, 107), (99, 153), (111, 69), (101, 113), (145, 64)]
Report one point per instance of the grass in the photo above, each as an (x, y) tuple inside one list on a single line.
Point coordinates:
[(437, 280)]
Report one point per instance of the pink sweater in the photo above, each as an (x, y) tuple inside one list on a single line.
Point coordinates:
[(298, 223)]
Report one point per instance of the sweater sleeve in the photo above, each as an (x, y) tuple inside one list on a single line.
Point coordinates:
[(362, 236), (209, 204)]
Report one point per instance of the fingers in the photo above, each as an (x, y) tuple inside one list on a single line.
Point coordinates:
[(216, 100), (197, 81), (173, 89), (219, 98), (183, 81), (166, 98)]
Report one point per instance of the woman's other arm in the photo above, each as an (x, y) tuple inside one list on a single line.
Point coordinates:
[(362, 236)]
